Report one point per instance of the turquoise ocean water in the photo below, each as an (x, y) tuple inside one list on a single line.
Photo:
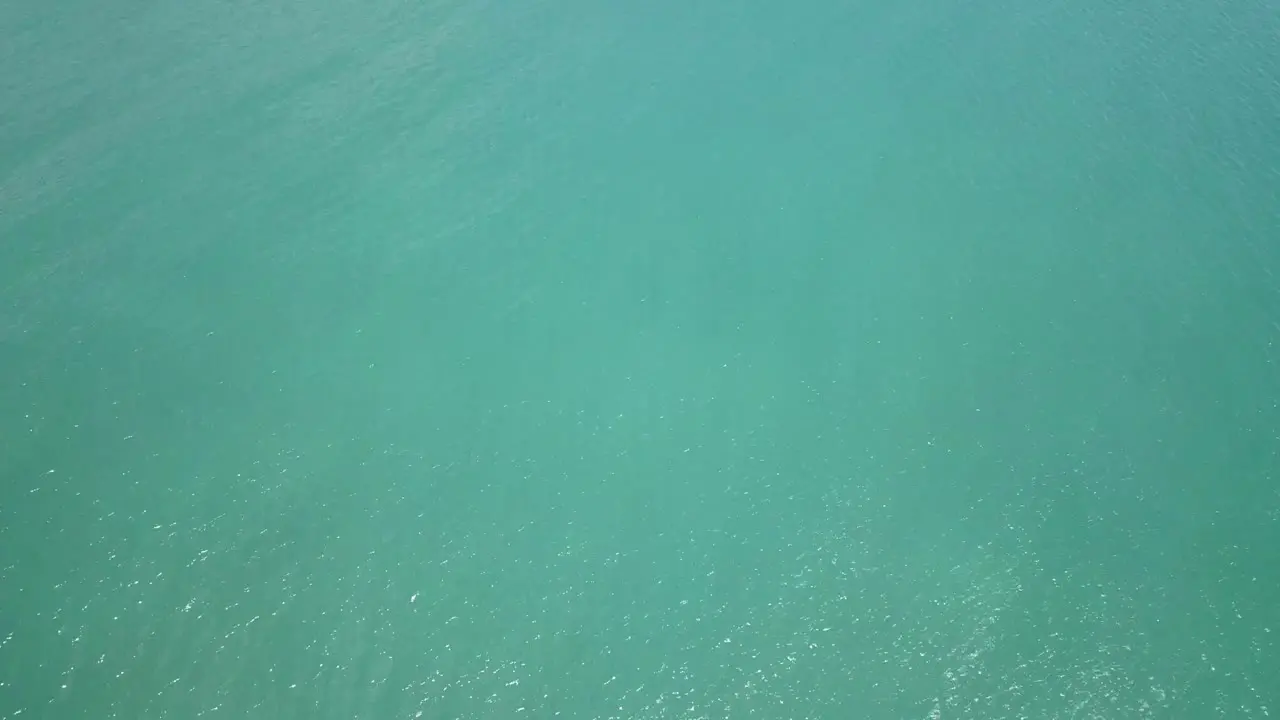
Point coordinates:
[(634, 361)]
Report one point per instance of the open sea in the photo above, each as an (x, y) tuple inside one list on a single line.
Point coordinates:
[(495, 360)]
